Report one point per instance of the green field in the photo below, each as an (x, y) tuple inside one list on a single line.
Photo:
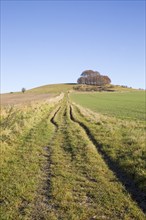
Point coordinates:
[(60, 160), (127, 105)]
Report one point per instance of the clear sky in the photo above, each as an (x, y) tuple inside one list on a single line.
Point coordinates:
[(45, 42)]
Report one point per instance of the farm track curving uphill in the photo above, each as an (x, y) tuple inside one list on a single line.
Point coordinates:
[(75, 184), (77, 181), (137, 195), (78, 176)]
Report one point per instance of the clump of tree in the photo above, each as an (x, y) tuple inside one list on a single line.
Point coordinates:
[(90, 77)]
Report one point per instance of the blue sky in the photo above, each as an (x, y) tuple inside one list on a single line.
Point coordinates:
[(45, 42)]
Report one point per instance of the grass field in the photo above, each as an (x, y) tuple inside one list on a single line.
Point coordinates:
[(16, 99), (122, 104), (62, 161)]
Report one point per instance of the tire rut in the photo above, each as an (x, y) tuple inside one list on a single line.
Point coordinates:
[(49, 153), (136, 194), (52, 119), (41, 207)]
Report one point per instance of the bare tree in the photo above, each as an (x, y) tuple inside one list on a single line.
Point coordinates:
[(23, 90)]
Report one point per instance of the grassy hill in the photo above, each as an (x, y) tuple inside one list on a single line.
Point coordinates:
[(36, 94), (53, 88)]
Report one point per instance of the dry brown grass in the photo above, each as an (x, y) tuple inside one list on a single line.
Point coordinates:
[(19, 98)]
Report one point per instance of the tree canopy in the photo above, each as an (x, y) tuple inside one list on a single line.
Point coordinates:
[(91, 77)]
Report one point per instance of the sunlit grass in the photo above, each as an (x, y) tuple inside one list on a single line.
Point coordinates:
[(54, 88), (123, 141), (24, 135)]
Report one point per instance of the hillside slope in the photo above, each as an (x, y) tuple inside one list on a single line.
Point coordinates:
[(36, 94), (53, 88)]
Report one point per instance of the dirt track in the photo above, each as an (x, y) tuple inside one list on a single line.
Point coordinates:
[(65, 123)]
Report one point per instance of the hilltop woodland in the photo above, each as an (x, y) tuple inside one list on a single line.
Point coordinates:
[(93, 81)]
